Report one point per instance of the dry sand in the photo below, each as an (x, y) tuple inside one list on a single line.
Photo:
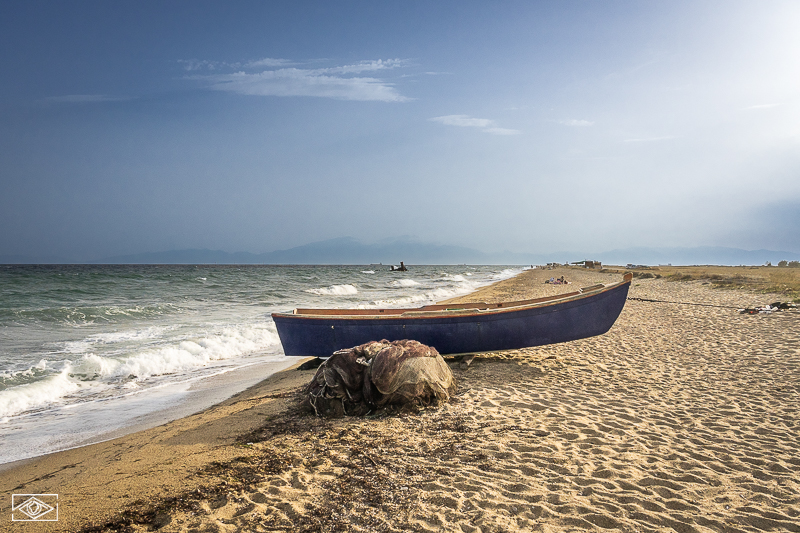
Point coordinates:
[(681, 418)]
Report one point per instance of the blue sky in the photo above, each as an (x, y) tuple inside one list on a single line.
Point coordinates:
[(130, 127)]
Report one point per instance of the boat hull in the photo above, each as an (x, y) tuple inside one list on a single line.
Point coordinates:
[(505, 329)]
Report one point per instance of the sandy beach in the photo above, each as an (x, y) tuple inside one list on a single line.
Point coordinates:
[(681, 418)]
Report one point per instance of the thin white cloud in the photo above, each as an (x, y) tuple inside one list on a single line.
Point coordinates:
[(576, 122), (340, 82), (198, 64), (484, 124), (364, 66), (193, 65), (86, 98), (267, 62)]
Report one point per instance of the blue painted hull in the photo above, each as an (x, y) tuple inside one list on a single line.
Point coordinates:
[(537, 324)]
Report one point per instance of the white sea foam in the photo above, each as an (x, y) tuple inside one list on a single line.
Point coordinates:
[(335, 290), (144, 334), (367, 271), (452, 285), (103, 372), (442, 293), (186, 355), (505, 274), (10, 374), (22, 398), (403, 283)]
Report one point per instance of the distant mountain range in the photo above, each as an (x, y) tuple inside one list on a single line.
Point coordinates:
[(347, 250)]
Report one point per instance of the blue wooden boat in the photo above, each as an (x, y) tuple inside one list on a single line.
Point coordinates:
[(458, 328)]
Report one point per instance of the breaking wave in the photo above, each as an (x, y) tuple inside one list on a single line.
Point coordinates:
[(95, 372), (403, 283), (34, 395), (335, 290), (505, 274), (433, 295)]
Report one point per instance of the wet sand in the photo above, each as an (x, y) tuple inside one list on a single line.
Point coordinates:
[(681, 418)]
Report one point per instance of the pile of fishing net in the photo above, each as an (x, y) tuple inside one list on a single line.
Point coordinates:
[(379, 373)]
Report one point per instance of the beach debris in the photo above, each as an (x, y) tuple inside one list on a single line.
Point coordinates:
[(765, 309), (769, 308), (359, 380)]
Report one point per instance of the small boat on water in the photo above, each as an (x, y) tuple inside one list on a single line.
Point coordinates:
[(458, 328)]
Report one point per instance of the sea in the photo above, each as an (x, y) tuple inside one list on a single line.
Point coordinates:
[(92, 352)]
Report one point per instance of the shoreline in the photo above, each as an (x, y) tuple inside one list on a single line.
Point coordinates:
[(14, 473), (118, 410), (679, 417), (192, 396), (79, 473)]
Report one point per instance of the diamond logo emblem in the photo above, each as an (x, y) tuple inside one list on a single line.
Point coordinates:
[(34, 507)]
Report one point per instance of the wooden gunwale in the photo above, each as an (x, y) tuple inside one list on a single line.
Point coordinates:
[(444, 310)]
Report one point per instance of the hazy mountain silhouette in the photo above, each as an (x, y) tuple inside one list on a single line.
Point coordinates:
[(346, 250)]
